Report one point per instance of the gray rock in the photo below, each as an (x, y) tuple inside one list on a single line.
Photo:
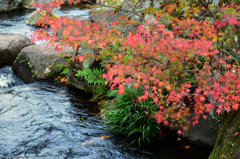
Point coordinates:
[(32, 19), (8, 5), (39, 63), (227, 144), (204, 132), (10, 46)]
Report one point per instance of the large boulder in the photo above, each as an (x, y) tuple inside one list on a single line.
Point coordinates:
[(8, 5), (228, 140), (37, 62), (89, 62), (10, 46)]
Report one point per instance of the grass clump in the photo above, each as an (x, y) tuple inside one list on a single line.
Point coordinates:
[(125, 114)]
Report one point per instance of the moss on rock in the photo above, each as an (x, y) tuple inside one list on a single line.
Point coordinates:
[(228, 140)]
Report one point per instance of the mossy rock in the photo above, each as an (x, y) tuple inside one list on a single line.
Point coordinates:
[(33, 18), (78, 82), (10, 47), (39, 63), (228, 140), (76, 65)]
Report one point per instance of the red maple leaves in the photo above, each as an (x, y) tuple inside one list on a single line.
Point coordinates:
[(166, 60)]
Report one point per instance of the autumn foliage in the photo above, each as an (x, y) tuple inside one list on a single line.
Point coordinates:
[(186, 59)]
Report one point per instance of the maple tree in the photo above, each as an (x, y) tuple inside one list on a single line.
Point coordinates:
[(185, 55)]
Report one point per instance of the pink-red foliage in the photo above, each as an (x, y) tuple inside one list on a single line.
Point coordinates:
[(161, 60)]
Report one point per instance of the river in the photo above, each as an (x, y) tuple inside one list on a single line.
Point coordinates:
[(48, 120)]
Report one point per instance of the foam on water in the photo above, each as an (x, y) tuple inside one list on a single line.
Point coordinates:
[(6, 79)]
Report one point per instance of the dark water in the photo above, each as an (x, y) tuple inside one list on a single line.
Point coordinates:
[(46, 120)]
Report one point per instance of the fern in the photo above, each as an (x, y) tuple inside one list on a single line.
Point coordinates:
[(65, 71), (64, 68), (94, 76)]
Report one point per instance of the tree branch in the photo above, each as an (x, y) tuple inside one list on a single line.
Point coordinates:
[(232, 56), (103, 5), (206, 6)]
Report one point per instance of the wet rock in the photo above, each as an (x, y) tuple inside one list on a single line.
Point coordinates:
[(39, 63), (9, 5), (205, 132), (76, 65), (10, 46), (33, 18), (228, 140)]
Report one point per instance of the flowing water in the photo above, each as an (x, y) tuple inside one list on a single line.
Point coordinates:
[(47, 120), (14, 22)]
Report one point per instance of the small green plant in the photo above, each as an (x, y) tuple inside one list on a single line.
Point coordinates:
[(29, 65), (64, 68), (22, 61), (94, 76), (31, 3), (24, 2), (34, 73), (65, 71)]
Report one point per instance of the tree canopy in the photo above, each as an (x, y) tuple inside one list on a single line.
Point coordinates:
[(184, 54)]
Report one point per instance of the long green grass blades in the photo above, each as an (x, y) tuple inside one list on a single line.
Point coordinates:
[(124, 114)]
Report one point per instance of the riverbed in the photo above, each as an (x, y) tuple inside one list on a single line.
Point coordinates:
[(49, 120)]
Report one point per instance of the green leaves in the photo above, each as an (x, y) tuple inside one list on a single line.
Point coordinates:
[(92, 76), (65, 71)]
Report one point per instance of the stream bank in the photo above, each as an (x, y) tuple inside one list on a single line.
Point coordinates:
[(57, 121)]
